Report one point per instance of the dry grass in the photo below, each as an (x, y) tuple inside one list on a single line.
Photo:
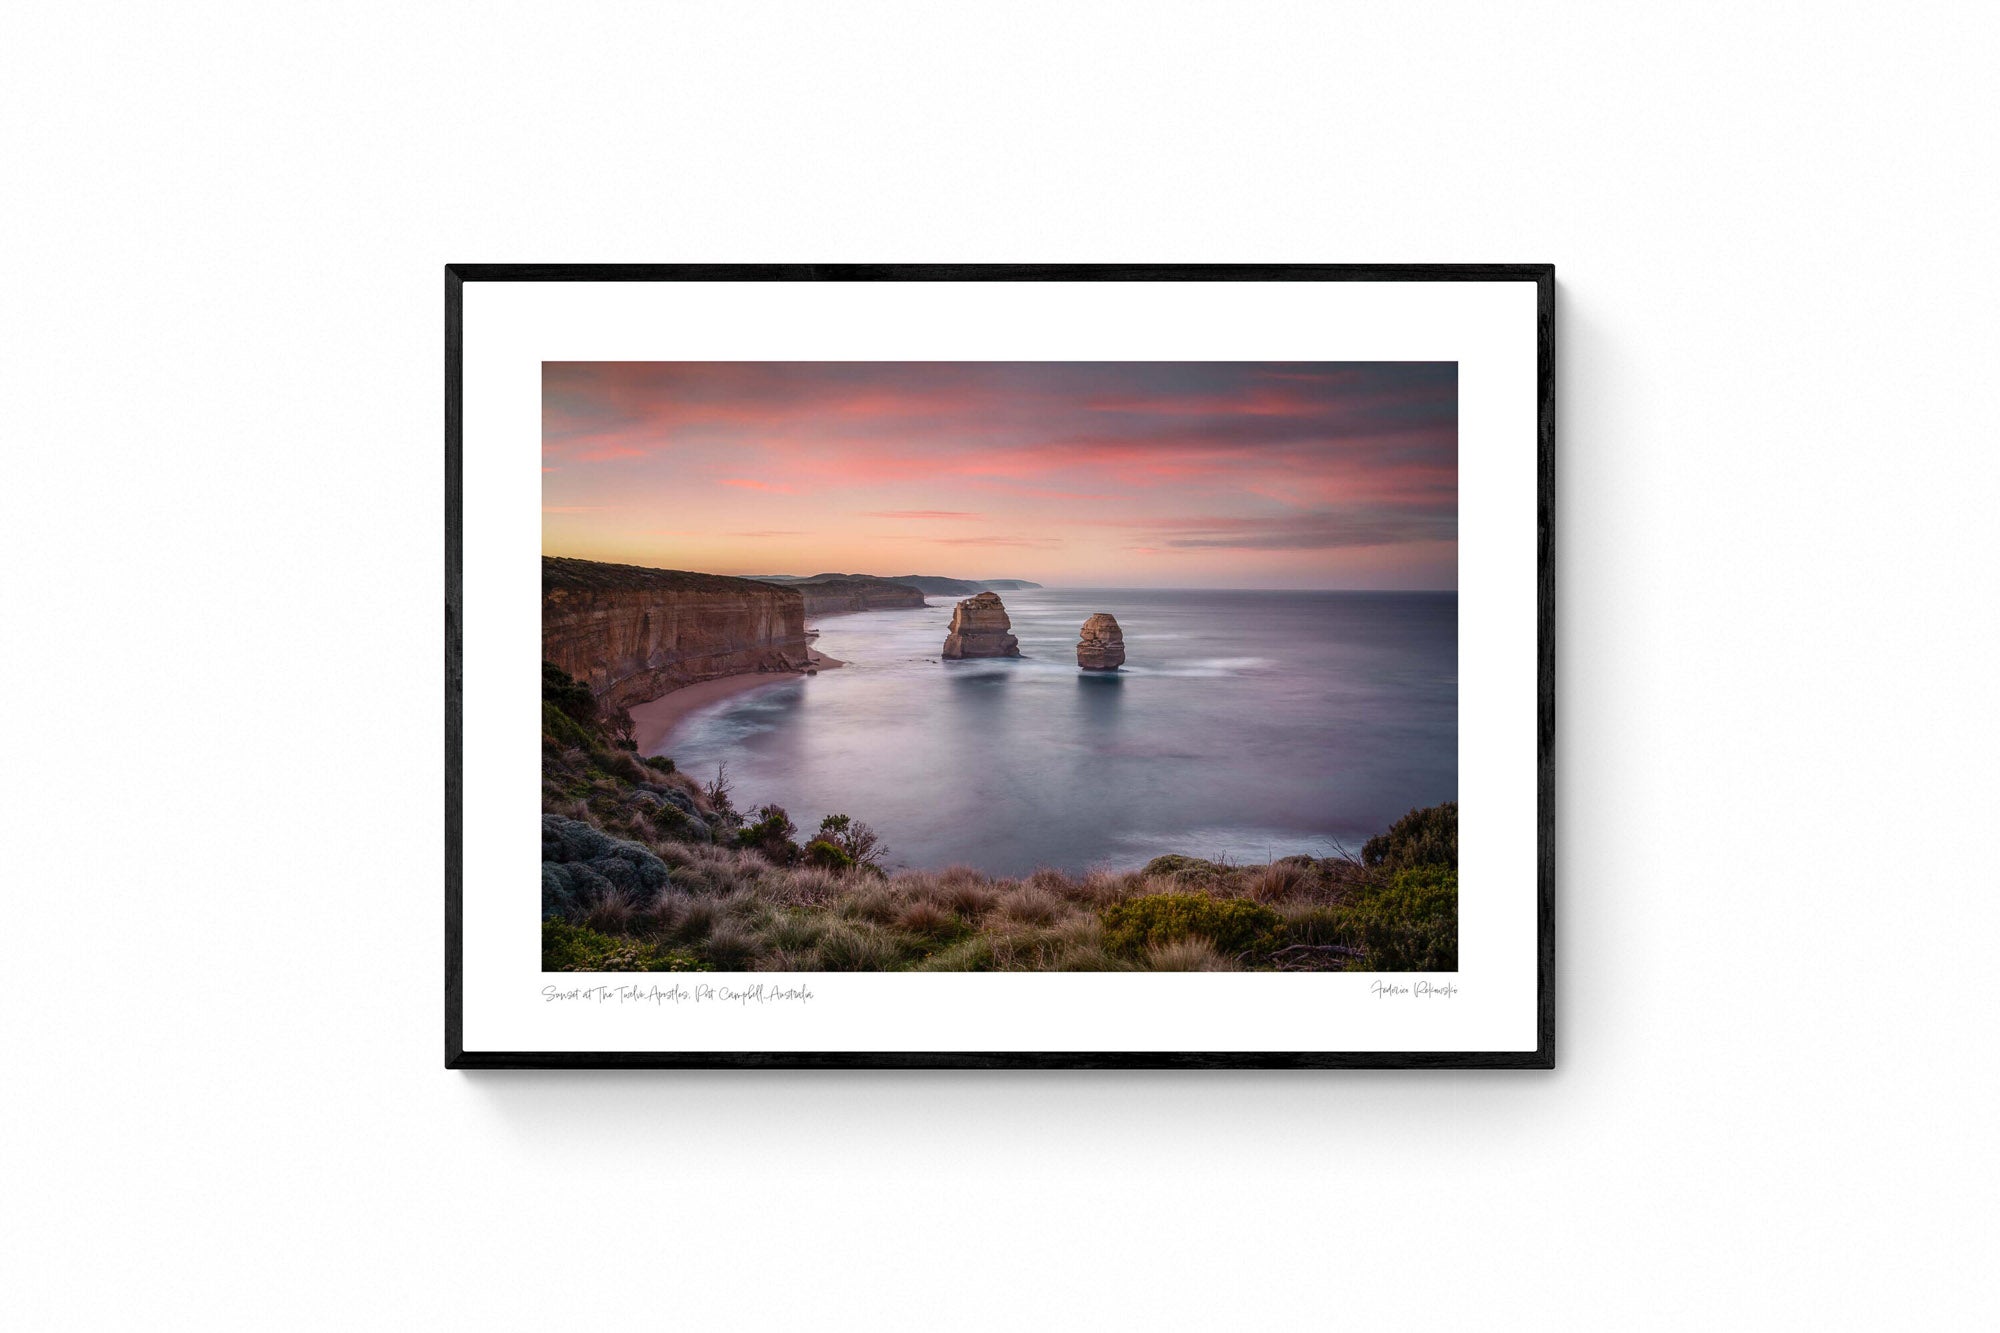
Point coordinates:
[(1279, 882), (1029, 905), (1193, 954), (739, 912), (926, 918)]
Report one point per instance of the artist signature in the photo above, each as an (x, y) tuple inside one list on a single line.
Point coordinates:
[(1418, 990)]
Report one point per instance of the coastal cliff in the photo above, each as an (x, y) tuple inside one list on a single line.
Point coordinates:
[(856, 592), (632, 634), (935, 585)]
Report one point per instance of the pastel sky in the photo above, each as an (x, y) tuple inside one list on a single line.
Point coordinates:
[(1080, 474)]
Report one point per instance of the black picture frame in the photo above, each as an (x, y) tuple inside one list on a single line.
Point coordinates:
[(456, 275)]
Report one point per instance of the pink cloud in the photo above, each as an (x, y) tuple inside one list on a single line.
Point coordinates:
[(1273, 467)]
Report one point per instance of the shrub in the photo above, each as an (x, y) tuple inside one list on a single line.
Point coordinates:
[(771, 834), (619, 724), (1230, 924), (658, 763), (567, 948), (1420, 838), (568, 695), (1408, 923), (716, 793), (1411, 924), (1184, 867), (563, 729), (861, 845), (828, 856)]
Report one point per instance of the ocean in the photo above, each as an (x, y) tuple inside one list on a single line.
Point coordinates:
[(1245, 726)]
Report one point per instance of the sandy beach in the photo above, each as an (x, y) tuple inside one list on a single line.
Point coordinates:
[(653, 722)]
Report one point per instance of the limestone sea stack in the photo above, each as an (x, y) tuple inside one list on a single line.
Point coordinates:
[(1102, 647), (979, 629)]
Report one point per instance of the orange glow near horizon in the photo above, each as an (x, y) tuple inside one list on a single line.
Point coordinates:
[(1126, 474)]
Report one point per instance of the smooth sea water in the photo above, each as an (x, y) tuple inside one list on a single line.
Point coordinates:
[(1245, 725)]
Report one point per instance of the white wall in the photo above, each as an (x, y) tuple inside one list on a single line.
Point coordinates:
[(224, 231)]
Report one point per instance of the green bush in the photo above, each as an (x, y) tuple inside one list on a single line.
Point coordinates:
[(1231, 924), (569, 695), (1421, 838), (567, 948), (1184, 867), (771, 834), (1407, 922), (1411, 924), (659, 762), (859, 842), (820, 852), (560, 727)]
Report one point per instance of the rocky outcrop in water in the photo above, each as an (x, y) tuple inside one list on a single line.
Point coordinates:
[(1102, 647), (979, 628), (632, 634)]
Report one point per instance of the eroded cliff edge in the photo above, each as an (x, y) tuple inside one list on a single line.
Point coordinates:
[(856, 592), (632, 634)]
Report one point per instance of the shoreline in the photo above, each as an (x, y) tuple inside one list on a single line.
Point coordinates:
[(654, 721)]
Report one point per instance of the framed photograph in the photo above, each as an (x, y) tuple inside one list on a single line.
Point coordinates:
[(998, 666)]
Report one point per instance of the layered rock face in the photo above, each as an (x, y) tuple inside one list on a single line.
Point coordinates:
[(855, 592), (979, 628), (632, 634), (1102, 647)]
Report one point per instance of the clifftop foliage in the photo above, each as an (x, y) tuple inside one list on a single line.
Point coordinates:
[(1421, 838), (562, 573)]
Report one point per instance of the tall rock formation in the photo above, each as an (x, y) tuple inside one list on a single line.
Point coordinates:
[(979, 629), (632, 634), (1102, 647)]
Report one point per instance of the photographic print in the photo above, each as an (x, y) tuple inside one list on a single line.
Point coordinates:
[(998, 666)]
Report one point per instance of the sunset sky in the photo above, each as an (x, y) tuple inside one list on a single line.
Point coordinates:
[(1077, 474)]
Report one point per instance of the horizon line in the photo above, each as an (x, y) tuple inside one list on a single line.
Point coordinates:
[(1044, 587)]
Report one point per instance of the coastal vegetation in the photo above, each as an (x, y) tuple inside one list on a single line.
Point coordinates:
[(646, 868)]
